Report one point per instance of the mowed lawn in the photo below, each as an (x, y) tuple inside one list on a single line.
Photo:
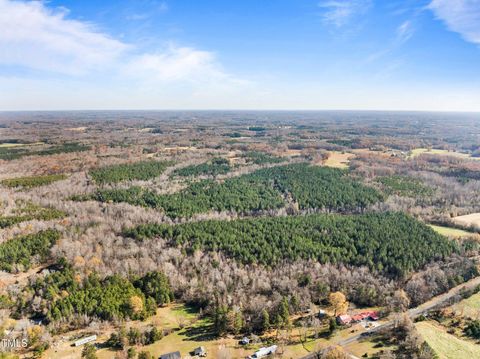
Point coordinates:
[(451, 232), (446, 345)]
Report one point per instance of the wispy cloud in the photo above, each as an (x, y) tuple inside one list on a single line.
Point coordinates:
[(461, 16), (340, 12), (154, 9), (404, 32)]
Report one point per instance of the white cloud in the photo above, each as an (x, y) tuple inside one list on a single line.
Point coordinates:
[(35, 37), (341, 12), (175, 63), (76, 65), (38, 38), (461, 16)]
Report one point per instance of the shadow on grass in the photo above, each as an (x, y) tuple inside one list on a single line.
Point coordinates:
[(199, 333)]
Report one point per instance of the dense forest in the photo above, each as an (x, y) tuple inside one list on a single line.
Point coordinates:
[(214, 167), (14, 153), (392, 243), (310, 187), (260, 158), (405, 186), (28, 213), (143, 170), (32, 181), (113, 297), (19, 251)]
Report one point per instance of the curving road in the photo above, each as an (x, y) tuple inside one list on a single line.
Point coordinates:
[(413, 313)]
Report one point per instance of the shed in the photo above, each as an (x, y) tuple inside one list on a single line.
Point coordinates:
[(344, 319), (172, 355)]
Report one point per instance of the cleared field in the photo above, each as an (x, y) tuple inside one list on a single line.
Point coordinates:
[(447, 346), (359, 348), (338, 159), (451, 232), (469, 307), (468, 220), (9, 145), (420, 151), (198, 333)]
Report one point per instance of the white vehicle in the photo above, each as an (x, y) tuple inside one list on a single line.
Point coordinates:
[(263, 352)]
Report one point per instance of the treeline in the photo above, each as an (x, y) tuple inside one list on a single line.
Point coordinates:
[(30, 213), (392, 243), (260, 158), (13, 153), (405, 186), (309, 186), (235, 194), (32, 181), (143, 170), (113, 297), (320, 187), (20, 251), (214, 167)]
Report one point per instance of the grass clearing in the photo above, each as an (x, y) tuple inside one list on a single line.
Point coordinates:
[(435, 151), (338, 159), (451, 232), (19, 144), (469, 307), (447, 346), (472, 219)]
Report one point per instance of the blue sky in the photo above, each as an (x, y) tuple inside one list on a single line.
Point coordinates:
[(249, 54)]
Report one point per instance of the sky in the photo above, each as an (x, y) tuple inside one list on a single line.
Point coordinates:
[(245, 54)]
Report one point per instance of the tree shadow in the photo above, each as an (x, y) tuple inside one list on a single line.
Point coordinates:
[(199, 333)]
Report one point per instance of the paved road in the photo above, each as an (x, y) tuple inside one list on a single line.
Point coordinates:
[(413, 313)]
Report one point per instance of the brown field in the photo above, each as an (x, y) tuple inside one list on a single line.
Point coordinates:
[(469, 219), (338, 159)]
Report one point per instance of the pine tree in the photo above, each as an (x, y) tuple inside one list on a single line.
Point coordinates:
[(265, 321), (238, 322), (285, 312)]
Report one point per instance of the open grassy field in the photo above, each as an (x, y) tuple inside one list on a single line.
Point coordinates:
[(189, 332), (451, 232), (420, 151), (9, 145), (338, 159), (468, 220), (359, 348), (469, 307), (446, 345)]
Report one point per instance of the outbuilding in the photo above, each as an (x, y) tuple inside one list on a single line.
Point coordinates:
[(344, 319), (172, 355)]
